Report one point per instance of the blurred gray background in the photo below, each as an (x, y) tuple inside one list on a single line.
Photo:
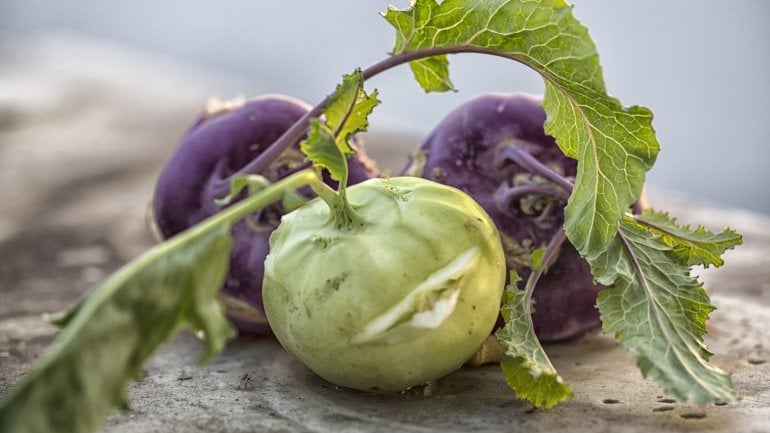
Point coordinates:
[(702, 67)]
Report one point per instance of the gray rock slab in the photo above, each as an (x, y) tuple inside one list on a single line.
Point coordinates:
[(256, 386), (79, 153)]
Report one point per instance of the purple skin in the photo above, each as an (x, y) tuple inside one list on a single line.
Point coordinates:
[(471, 150), (215, 147)]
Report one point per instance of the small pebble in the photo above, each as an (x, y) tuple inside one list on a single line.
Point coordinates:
[(693, 415)]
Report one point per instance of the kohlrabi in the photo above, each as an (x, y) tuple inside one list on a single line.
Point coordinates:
[(210, 166), (404, 295), (374, 286)]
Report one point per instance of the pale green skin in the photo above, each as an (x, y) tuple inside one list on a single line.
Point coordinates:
[(324, 285)]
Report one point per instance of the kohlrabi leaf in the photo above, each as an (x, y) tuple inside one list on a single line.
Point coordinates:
[(322, 149), (431, 73), (346, 113), (526, 367), (349, 107), (614, 145), (62, 318), (113, 330), (658, 311), (691, 246), (251, 182), (117, 328)]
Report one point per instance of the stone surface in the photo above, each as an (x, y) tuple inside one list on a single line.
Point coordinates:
[(79, 152)]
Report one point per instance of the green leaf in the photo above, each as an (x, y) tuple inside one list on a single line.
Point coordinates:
[(526, 367), (615, 146), (348, 109), (431, 73), (538, 259), (690, 246), (111, 332), (658, 311), (60, 319), (347, 112), (323, 150), (116, 329), (252, 182)]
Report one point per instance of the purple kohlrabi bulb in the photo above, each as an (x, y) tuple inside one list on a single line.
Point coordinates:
[(221, 141)]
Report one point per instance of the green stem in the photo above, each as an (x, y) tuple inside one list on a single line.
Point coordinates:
[(340, 210), (298, 129), (257, 201)]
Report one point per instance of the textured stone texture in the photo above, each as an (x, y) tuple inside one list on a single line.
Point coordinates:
[(79, 152)]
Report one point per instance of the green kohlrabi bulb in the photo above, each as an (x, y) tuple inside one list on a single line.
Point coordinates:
[(405, 296)]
